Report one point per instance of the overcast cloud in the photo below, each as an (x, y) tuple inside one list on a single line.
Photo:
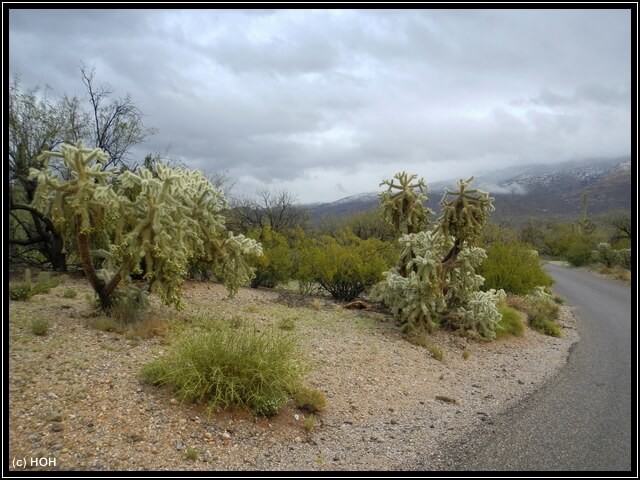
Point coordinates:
[(327, 103)]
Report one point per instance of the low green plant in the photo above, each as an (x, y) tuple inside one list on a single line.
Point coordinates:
[(514, 267), (511, 322), (70, 293), (310, 399), (24, 290), (191, 454), (309, 423), (546, 326), (466, 354), (40, 326), (287, 323), (20, 291), (228, 367), (542, 310), (421, 340)]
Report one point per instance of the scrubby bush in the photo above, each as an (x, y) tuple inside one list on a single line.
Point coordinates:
[(275, 266), (579, 253), (511, 322), (542, 310), (610, 257), (310, 399), (27, 289), (227, 367), (344, 266), (513, 267), (40, 326)]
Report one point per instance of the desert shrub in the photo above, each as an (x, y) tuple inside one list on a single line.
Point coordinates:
[(27, 289), (40, 326), (511, 322), (513, 267), (542, 310), (70, 293), (20, 291), (229, 367), (579, 253), (623, 258), (275, 266), (344, 266), (466, 354), (310, 423), (310, 399), (546, 326), (604, 254)]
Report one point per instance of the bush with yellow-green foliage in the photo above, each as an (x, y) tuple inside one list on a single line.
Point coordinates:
[(222, 366), (149, 222), (514, 267), (275, 266), (344, 266)]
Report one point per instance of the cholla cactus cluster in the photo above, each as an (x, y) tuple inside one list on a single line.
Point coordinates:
[(434, 280), (150, 223)]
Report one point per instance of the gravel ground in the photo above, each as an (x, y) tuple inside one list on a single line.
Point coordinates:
[(75, 395)]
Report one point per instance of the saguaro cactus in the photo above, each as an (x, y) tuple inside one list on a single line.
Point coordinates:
[(158, 220)]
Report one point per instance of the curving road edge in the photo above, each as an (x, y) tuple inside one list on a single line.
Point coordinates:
[(581, 419)]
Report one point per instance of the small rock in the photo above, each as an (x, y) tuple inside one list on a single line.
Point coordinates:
[(297, 417), (226, 435), (173, 401), (57, 427), (179, 445), (520, 382)]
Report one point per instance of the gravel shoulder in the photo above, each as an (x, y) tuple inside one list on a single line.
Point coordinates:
[(75, 394)]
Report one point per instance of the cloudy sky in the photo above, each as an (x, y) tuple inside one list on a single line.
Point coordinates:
[(327, 103)]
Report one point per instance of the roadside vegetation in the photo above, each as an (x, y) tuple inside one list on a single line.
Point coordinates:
[(137, 232)]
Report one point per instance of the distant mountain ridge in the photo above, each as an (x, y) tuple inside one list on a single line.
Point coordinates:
[(540, 191)]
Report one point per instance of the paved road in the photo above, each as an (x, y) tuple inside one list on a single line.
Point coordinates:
[(580, 420)]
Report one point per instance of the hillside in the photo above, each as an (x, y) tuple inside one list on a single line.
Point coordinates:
[(550, 191)]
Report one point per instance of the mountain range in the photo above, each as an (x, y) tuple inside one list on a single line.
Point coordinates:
[(553, 191)]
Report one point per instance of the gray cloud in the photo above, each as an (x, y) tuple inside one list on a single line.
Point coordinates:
[(326, 103)]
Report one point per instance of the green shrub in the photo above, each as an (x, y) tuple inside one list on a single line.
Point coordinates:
[(466, 354), (604, 254), (287, 323), (542, 310), (70, 293), (40, 326), (579, 254), (511, 322), (310, 423), (310, 399), (513, 267), (275, 267), (546, 326), (344, 266), (27, 289), (191, 454), (20, 291), (229, 367), (623, 258)]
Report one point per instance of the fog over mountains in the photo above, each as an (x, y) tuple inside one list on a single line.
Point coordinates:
[(551, 191)]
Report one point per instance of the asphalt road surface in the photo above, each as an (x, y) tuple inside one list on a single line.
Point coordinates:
[(581, 419)]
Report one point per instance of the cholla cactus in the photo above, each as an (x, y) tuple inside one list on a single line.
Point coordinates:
[(402, 205), (435, 277), (157, 219)]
